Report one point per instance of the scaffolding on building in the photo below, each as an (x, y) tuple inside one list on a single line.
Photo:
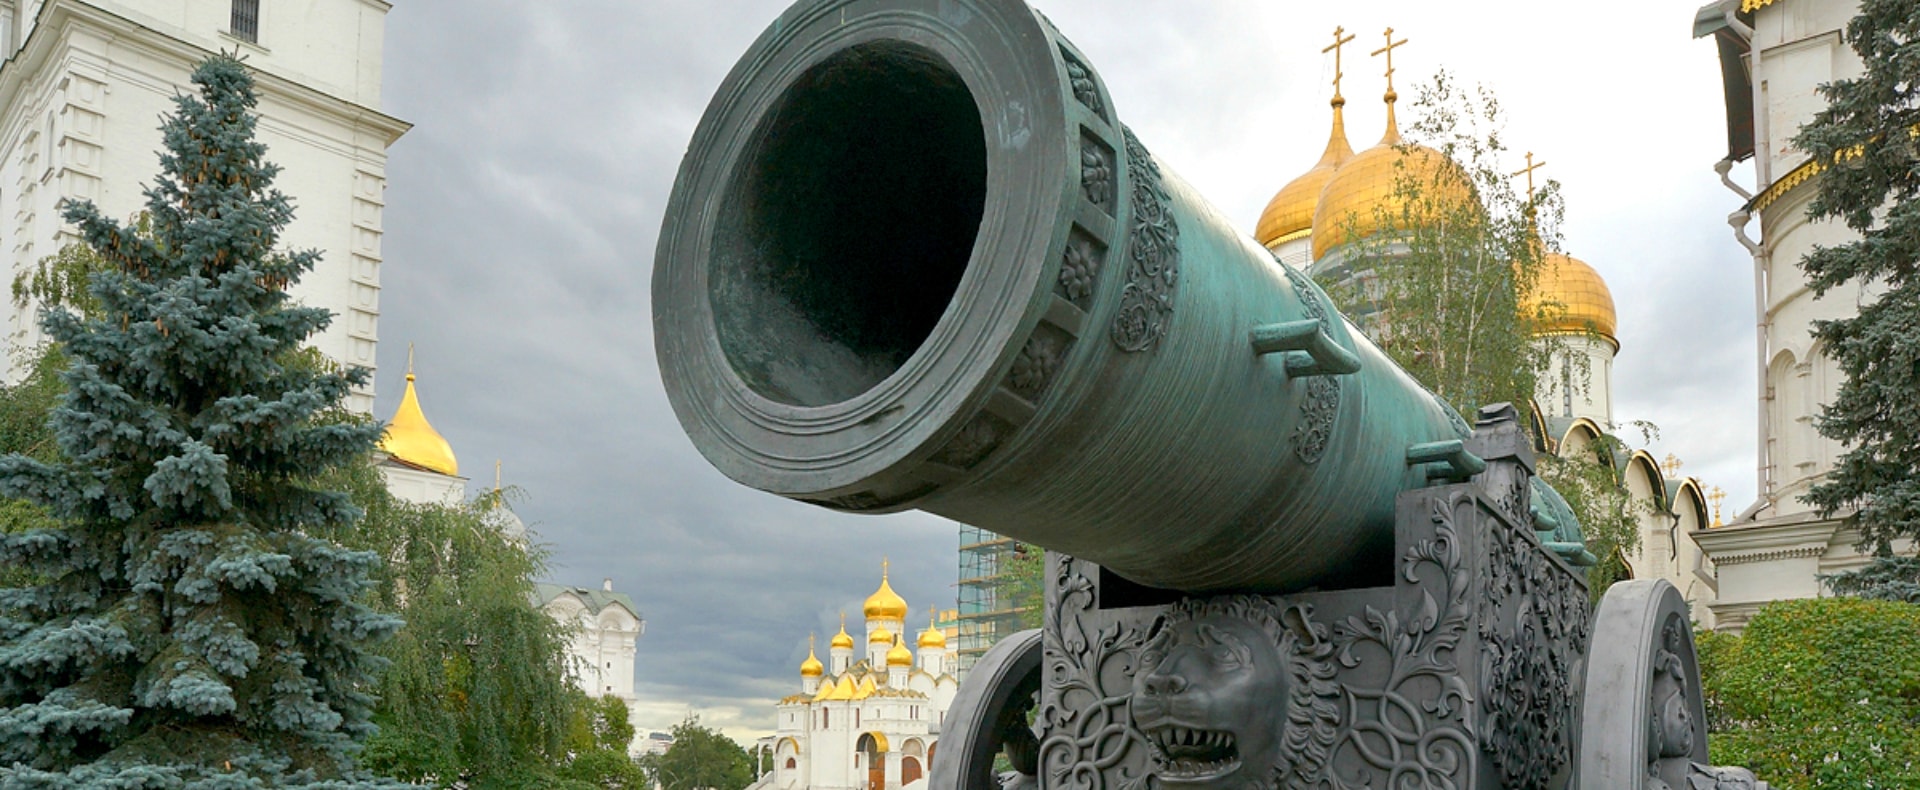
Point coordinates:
[(986, 607)]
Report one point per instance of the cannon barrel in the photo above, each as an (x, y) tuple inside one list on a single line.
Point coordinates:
[(913, 259)]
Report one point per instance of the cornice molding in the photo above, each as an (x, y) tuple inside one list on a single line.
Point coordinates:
[(59, 18)]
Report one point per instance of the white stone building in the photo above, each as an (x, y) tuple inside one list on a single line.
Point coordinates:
[(867, 719), (1773, 56), (606, 627), (85, 82), (1316, 223)]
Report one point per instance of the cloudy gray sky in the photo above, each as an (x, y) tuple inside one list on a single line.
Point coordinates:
[(523, 208)]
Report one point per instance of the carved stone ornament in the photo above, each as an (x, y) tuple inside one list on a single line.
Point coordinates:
[(1079, 269), (1413, 729), (1096, 174), (1534, 627), (1080, 80), (1033, 369), (1186, 697), (1153, 256)]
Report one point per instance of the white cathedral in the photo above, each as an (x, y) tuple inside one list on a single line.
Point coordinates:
[(867, 720), (1774, 54), (1317, 223)]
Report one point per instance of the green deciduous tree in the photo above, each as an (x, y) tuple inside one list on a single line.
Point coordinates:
[(597, 743), (1025, 585), (1821, 693), (477, 690), (190, 621), (699, 758), (1867, 135), (1449, 291), (1592, 481), (1441, 289)]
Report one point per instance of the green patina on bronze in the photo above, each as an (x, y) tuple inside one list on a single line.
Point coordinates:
[(913, 260)]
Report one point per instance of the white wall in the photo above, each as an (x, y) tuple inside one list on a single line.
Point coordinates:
[(78, 109)]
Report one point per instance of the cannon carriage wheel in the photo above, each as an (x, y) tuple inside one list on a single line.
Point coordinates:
[(989, 715), (1643, 722)]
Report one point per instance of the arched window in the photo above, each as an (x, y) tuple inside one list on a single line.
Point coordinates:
[(791, 764)]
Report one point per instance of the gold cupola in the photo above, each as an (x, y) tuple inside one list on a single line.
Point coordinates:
[(1289, 215), (1570, 298), (899, 655), (1364, 197), (933, 636), (884, 603), (811, 668), (411, 440), (842, 640), (880, 635)]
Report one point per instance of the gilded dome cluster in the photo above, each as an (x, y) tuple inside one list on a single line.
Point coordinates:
[(1290, 214), (1347, 197), (884, 607)]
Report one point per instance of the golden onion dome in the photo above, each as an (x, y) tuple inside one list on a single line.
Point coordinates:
[(899, 655), (811, 668), (1363, 197), (1290, 214), (1572, 298), (842, 640), (410, 439), (880, 635), (933, 636), (884, 603)]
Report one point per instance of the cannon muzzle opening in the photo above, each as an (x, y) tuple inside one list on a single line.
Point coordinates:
[(847, 224)]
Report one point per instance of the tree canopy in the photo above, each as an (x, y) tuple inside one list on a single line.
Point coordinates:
[(187, 620), (1866, 141), (700, 758), (1818, 693), (1443, 290)]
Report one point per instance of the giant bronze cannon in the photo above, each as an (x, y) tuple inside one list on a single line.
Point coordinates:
[(913, 259)]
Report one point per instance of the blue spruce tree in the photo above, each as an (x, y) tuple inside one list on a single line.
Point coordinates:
[(190, 622)]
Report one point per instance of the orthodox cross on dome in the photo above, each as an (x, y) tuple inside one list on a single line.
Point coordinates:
[(1334, 48), (1670, 466), (496, 475), (1388, 51), (409, 361), (883, 567), (1715, 498), (1528, 172)]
